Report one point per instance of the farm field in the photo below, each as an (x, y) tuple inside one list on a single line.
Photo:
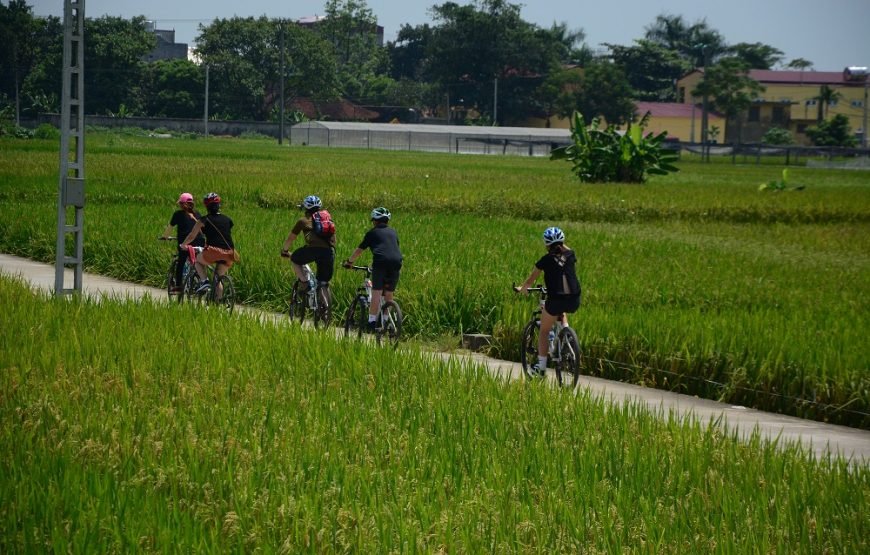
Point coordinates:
[(121, 435), (695, 282)]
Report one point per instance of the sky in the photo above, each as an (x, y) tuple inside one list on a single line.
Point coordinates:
[(832, 34)]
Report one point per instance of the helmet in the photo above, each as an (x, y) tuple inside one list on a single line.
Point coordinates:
[(311, 202), (381, 213), (211, 198), (553, 235), (184, 198)]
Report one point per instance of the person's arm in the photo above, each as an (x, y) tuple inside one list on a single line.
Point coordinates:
[(524, 288), (349, 262), (285, 248), (166, 232), (192, 235)]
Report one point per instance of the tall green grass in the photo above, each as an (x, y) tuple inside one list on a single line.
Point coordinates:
[(679, 290), (146, 427)]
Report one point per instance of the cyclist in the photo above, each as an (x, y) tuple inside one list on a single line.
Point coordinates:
[(386, 260), (563, 289), (220, 249), (318, 248), (185, 218)]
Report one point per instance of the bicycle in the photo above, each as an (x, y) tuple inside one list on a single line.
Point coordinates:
[(319, 303), (388, 327), (174, 289), (192, 283), (564, 346)]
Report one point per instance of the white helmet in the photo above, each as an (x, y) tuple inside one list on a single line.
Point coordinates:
[(381, 213), (311, 202), (553, 235)]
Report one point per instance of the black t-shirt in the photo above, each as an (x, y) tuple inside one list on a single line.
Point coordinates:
[(185, 224), (217, 231), (384, 242), (560, 275)]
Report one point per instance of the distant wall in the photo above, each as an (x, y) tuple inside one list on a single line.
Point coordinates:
[(233, 128)]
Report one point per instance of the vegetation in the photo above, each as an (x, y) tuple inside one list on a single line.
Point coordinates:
[(606, 156), (694, 281), (777, 136), (833, 132), (301, 442)]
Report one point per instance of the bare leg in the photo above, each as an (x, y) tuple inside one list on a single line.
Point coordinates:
[(376, 302), (200, 267), (219, 270), (300, 272), (547, 321)]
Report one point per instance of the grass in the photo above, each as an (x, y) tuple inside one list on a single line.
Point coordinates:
[(235, 435), (695, 282)]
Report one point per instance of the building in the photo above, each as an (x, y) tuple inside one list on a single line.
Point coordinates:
[(682, 122), (166, 48), (790, 101)]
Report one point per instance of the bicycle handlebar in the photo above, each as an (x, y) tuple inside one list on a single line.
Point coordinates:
[(166, 238)]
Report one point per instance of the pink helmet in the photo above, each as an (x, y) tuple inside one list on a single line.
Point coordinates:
[(185, 197)]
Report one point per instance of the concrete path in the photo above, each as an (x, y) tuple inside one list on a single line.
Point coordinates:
[(820, 438)]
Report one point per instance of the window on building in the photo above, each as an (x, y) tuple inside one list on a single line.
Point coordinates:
[(832, 103), (754, 114), (811, 102), (778, 114), (857, 104), (682, 95)]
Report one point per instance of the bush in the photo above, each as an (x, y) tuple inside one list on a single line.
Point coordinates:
[(833, 132), (605, 156), (47, 131), (777, 136)]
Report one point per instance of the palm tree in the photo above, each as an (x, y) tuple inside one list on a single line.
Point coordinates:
[(827, 96)]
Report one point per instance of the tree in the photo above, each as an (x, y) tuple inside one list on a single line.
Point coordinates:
[(757, 55), (835, 132), (800, 64), (731, 89), (651, 69), (558, 94), (17, 49), (174, 88), (696, 43), (243, 55), (114, 70), (408, 53), (825, 98), (351, 28)]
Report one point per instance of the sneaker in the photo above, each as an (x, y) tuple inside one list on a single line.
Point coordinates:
[(536, 372), (372, 327), (203, 287)]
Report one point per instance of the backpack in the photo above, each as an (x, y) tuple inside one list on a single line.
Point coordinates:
[(322, 224)]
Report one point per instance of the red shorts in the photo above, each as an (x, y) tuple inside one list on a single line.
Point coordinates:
[(213, 254)]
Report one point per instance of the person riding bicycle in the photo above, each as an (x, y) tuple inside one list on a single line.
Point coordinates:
[(386, 260), (563, 289), (184, 218), (220, 249), (319, 247)]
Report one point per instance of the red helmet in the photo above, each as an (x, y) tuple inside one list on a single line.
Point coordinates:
[(184, 198), (211, 198)]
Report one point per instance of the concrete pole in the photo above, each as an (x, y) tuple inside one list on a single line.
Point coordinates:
[(864, 134), (205, 116), (495, 103), (281, 110)]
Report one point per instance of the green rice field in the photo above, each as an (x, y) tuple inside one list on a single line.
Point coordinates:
[(695, 282), (121, 434)]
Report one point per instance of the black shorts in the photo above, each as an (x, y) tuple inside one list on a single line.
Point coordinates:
[(323, 257), (385, 275), (557, 304)]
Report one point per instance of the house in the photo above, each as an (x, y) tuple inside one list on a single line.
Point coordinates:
[(682, 122), (790, 100), (166, 48)]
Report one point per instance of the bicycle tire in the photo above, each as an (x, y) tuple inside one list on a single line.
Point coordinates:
[(298, 302), (529, 348), (356, 317), (391, 324), (323, 312), (228, 295), (190, 285), (568, 366), (170, 279)]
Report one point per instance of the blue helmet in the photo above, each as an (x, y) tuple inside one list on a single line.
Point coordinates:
[(311, 202), (553, 235)]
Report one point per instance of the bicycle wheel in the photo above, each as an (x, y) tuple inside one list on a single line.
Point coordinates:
[(298, 302), (529, 348), (323, 312), (391, 324), (171, 286), (356, 318), (228, 295), (568, 367), (191, 282)]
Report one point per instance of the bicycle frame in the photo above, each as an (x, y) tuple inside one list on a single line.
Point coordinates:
[(563, 347)]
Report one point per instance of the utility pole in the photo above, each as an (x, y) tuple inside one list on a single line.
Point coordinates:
[(448, 104), (705, 108), (71, 185), (283, 77), (495, 102), (205, 115)]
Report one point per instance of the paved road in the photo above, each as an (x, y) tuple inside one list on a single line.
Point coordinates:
[(820, 438)]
